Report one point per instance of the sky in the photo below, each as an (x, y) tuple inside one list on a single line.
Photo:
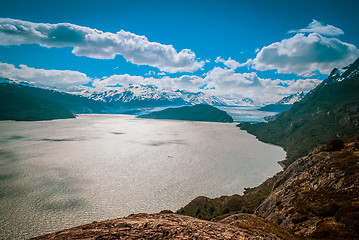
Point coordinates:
[(263, 50)]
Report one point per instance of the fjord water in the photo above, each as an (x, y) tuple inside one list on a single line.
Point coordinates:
[(63, 173)]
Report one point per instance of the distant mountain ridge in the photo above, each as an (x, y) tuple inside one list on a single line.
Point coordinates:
[(128, 100), (137, 95), (284, 104), (328, 111)]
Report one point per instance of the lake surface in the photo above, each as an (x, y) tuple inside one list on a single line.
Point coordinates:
[(238, 113), (63, 173)]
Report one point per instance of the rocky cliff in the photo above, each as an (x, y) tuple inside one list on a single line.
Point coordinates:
[(315, 197), (318, 195)]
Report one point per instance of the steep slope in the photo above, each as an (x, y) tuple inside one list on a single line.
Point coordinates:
[(330, 110), (16, 105), (318, 195), (284, 104), (19, 102), (200, 112), (217, 208)]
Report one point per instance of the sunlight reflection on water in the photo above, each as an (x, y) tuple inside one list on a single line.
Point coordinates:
[(62, 173)]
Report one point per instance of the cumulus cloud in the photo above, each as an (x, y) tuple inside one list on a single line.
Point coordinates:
[(232, 64), (229, 84), (222, 82), (303, 55), (65, 80), (97, 44), (187, 82), (319, 27), (300, 85)]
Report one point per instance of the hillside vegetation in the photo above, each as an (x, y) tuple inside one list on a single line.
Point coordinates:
[(26, 103), (199, 112), (18, 105), (331, 110)]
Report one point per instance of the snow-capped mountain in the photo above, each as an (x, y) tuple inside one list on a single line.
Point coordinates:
[(16, 82), (338, 75), (136, 95), (239, 102), (199, 98), (291, 99), (284, 104)]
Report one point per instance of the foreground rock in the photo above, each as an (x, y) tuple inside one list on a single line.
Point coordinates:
[(212, 209), (199, 112), (164, 226), (318, 195)]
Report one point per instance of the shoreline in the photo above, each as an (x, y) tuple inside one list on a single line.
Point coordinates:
[(223, 175)]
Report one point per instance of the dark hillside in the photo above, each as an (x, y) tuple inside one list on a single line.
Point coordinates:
[(199, 112), (26, 103), (330, 110), (17, 105)]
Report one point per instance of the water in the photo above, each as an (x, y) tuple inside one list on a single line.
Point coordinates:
[(238, 113), (247, 114), (63, 173)]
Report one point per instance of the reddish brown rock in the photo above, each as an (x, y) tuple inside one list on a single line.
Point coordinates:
[(159, 226), (318, 195)]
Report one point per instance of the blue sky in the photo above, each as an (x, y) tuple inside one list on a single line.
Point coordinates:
[(277, 47)]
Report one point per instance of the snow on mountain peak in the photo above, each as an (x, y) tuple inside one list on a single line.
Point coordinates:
[(141, 93), (291, 99)]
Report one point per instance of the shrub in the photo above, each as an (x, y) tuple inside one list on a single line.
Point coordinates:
[(335, 145)]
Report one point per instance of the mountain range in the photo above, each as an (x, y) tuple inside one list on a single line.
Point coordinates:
[(284, 104), (330, 110), (21, 100), (137, 96)]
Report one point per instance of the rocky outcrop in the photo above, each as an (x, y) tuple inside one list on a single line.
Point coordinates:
[(318, 195), (258, 225), (166, 226), (209, 209)]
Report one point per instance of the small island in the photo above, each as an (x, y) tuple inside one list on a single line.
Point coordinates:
[(199, 112)]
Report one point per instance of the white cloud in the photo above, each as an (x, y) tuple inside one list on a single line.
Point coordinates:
[(65, 80), (304, 55), (319, 27), (187, 82), (301, 85), (114, 80), (232, 64), (97, 44), (150, 73), (221, 82), (229, 84)]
